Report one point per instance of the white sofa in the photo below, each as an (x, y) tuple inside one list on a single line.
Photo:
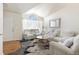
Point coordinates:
[(58, 49)]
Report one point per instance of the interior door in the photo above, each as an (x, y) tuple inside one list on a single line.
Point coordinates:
[(8, 26)]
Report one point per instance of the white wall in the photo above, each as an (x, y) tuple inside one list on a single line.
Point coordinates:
[(69, 17), (12, 26), (1, 28), (1, 18)]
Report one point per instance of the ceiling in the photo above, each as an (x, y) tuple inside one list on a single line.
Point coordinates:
[(46, 9), (42, 9), (19, 7)]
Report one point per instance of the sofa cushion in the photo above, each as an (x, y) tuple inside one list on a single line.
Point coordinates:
[(68, 42), (68, 34), (62, 39)]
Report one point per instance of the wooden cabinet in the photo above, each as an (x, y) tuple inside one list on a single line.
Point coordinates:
[(11, 47)]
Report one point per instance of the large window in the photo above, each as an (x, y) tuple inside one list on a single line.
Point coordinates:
[(32, 22)]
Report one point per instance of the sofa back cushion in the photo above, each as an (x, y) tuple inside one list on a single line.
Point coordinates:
[(68, 33)]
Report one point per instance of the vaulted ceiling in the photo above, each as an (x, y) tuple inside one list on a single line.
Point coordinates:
[(46, 9), (19, 7), (42, 9)]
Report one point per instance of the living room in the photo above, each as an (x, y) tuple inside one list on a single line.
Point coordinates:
[(25, 24)]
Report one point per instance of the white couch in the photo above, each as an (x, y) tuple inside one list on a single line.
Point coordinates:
[(58, 49)]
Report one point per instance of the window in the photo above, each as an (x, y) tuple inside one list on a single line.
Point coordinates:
[(32, 22)]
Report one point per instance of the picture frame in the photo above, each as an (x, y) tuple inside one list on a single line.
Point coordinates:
[(55, 23)]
